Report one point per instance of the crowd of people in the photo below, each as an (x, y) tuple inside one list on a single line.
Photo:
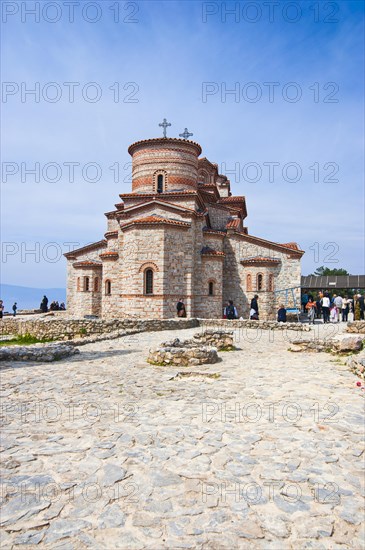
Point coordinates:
[(332, 308), (55, 306)]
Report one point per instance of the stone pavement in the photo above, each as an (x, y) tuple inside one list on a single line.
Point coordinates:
[(102, 450)]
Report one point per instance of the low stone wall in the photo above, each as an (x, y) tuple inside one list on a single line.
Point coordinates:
[(340, 344), (67, 329), (183, 356), (220, 339), (356, 326), (265, 325), (37, 352), (193, 351)]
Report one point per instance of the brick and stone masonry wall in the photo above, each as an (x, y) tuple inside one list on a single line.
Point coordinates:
[(178, 159), (286, 275), (79, 300)]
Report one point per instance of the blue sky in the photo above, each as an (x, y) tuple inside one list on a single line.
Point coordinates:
[(165, 55)]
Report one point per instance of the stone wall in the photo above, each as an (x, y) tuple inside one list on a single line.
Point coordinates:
[(78, 299), (286, 275), (37, 352), (357, 327), (264, 325), (64, 329)]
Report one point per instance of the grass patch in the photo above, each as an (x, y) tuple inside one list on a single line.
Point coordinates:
[(156, 364), (25, 340)]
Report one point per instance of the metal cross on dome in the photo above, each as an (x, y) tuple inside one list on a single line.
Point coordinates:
[(186, 134), (164, 124)]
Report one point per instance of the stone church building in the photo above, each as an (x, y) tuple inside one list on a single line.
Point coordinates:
[(180, 233)]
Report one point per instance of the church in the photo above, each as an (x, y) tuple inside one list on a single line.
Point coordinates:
[(180, 234)]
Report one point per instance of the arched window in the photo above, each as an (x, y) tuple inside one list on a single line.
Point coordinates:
[(78, 284), (271, 283), (108, 287), (203, 176), (160, 183), (86, 284), (260, 281), (96, 284), (211, 288), (249, 282), (148, 281)]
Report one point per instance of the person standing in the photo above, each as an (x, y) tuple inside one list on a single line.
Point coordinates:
[(319, 307), (345, 309), (305, 299), (361, 302), (15, 307), (311, 310), (351, 309), (282, 314), (338, 304), (230, 311), (333, 314), (325, 302), (44, 304), (254, 306), (180, 308), (1, 309)]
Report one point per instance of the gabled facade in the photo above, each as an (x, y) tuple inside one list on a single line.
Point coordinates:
[(179, 234)]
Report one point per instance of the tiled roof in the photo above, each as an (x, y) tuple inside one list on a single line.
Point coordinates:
[(157, 200), (260, 260), (109, 255), (236, 198), (72, 253), (111, 234), (87, 263), (222, 232), (155, 220), (271, 244), (163, 140), (233, 224), (172, 193), (207, 251), (294, 246)]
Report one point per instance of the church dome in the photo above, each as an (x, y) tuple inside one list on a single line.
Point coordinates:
[(164, 164)]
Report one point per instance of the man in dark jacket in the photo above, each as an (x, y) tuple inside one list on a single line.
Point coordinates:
[(282, 314), (44, 304), (254, 305), (180, 308)]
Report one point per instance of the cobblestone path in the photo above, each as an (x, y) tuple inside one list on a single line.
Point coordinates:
[(105, 451)]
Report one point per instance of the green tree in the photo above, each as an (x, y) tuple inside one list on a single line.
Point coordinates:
[(323, 271)]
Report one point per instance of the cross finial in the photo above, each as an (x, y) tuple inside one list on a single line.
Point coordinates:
[(186, 134), (164, 124)]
